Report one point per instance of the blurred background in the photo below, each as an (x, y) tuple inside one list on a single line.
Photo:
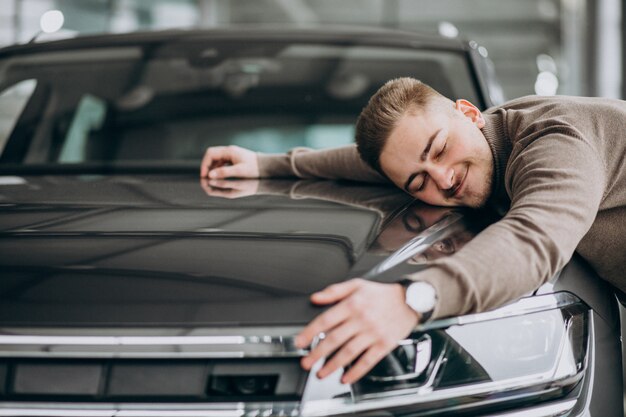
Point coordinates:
[(537, 46)]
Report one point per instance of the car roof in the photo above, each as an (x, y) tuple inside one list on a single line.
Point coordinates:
[(336, 34)]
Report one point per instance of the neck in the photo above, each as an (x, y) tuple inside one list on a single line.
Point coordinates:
[(500, 146)]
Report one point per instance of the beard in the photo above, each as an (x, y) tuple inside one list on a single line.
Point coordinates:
[(478, 198)]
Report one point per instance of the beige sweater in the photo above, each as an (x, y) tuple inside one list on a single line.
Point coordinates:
[(560, 162)]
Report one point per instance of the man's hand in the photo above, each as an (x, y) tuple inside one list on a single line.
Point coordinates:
[(229, 162), (229, 188), (366, 323)]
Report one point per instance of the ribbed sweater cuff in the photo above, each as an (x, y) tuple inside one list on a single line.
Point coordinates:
[(274, 165)]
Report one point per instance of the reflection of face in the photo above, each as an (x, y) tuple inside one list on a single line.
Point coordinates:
[(443, 247), (403, 228), (440, 157)]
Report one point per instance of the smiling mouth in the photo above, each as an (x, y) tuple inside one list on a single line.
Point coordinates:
[(456, 191)]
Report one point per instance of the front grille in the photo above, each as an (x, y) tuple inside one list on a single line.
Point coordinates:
[(202, 380)]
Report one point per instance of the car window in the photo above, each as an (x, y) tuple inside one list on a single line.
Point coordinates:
[(12, 103), (172, 103), (88, 117)]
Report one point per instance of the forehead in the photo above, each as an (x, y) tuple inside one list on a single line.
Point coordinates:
[(408, 139), (415, 128)]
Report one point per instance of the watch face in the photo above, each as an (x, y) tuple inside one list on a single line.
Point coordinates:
[(421, 297)]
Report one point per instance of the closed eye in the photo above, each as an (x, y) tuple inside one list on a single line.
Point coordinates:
[(415, 183), (423, 184), (442, 151)]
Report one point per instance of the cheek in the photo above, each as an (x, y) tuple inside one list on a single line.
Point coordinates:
[(431, 195), (462, 151)]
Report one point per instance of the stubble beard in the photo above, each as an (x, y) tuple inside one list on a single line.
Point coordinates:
[(483, 196), (478, 198)]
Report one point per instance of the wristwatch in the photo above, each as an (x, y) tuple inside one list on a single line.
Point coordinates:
[(421, 297)]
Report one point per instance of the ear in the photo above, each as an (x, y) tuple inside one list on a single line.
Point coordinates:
[(470, 111)]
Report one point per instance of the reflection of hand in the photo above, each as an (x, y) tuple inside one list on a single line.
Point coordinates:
[(366, 323), (229, 162), (229, 188)]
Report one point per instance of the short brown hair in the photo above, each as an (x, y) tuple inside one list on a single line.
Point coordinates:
[(384, 109)]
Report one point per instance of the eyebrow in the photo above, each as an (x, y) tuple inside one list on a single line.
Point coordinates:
[(423, 157), (428, 145)]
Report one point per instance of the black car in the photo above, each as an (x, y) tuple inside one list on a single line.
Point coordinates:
[(131, 288)]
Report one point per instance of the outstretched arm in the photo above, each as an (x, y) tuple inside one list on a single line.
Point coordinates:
[(341, 163)]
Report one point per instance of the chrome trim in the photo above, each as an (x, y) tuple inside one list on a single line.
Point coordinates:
[(148, 347), (523, 306), (215, 410), (423, 349), (213, 342), (128, 410), (550, 410), (589, 366), (153, 343)]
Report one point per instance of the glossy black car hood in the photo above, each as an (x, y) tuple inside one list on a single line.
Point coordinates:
[(157, 250)]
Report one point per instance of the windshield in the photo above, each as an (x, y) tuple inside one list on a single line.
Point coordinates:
[(167, 103)]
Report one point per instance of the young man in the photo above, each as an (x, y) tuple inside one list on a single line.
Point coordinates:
[(556, 164)]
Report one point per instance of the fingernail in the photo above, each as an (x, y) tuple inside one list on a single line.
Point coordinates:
[(321, 375), (211, 174)]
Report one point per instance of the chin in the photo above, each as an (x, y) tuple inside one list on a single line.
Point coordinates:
[(476, 201), (477, 204), (480, 195)]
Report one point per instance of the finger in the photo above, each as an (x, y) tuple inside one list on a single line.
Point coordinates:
[(336, 292), (333, 340), (216, 192), (225, 184), (212, 188), (230, 171), (348, 353), (365, 363), (322, 323), (211, 155), (204, 184), (204, 168)]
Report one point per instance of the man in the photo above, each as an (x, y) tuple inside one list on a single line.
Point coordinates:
[(558, 164)]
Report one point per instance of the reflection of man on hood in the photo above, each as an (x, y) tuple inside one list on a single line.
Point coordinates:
[(397, 226)]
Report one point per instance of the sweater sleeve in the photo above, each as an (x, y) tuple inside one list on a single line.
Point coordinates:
[(336, 163), (556, 185)]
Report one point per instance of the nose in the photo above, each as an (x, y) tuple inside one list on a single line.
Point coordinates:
[(443, 176)]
